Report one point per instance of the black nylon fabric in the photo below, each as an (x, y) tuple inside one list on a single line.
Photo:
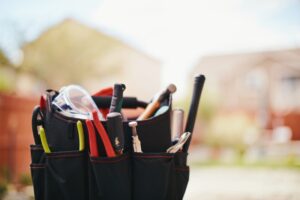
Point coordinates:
[(37, 168), (113, 177), (66, 176), (151, 175), (181, 175)]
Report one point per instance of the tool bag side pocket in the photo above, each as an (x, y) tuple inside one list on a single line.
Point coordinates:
[(37, 168), (155, 132), (180, 175), (113, 177), (66, 176), (151, 175)]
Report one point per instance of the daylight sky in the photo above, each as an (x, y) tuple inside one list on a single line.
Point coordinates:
[(177, 32)]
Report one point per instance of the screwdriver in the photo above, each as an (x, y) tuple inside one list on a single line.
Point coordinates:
[(176, 124), (44, 140), (80, 135), (117, 98), (154, 105), (115, 131), (135, 138)]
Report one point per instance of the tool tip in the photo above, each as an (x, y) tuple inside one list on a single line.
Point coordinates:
[(120, 85), (114, 114), (132, 124), (172, 88), (200, 77)]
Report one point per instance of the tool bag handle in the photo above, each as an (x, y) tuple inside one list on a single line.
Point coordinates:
[(128, 102)]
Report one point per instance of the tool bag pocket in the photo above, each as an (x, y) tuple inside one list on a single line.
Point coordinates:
[(151, 175), (155, 133), (61, 132), (66, 176), (181, 174), (37, 168), (112, 177)]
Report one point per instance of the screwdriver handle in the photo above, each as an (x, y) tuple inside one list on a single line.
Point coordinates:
[(198, 87), (115, 131)]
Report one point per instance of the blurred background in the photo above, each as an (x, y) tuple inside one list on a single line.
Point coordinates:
[(246, 143)]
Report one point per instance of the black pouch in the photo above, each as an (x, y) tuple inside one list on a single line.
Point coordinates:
[(66, 176), (72, 175), (37, 168), (113, 177), (181, 174), (151, 175)]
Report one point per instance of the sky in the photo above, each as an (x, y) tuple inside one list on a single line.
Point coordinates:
[(177, 32)]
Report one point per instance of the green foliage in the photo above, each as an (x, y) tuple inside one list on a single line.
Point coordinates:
[(6, 73), (4, 83), (3, 189), (5, 174), (25, 179), (207, 107), (3, 59), (239, 162)]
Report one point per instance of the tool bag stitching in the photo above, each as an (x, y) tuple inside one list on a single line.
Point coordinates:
[(152, 156), (110, 160), (37, 166), (64, 155)]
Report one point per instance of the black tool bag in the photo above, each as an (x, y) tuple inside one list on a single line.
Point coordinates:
[(70, 174)]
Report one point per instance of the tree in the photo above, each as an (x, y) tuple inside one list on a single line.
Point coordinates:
[(3, 59)]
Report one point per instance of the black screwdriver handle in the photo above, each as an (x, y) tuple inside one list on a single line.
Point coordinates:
[(115, 130), (198, 87), (117, 98)]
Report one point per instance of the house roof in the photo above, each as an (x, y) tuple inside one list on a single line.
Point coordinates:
[(72, 24), (237, 63), (75, 53)]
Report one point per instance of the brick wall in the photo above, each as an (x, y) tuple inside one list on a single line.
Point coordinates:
[(15, 134)]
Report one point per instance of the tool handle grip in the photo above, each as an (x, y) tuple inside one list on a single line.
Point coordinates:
[(117, 98), (115, 130), (198, 86), (150, 109)]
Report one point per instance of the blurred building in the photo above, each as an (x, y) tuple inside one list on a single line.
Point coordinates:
[(68, 53), (71, 52), (266, 84)]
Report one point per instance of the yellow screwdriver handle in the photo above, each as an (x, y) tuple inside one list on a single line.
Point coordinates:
[(80, 135), (44, 140)]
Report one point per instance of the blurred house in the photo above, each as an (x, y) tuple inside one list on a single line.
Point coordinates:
[(71, 52), (68, 53), (263, 84)]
